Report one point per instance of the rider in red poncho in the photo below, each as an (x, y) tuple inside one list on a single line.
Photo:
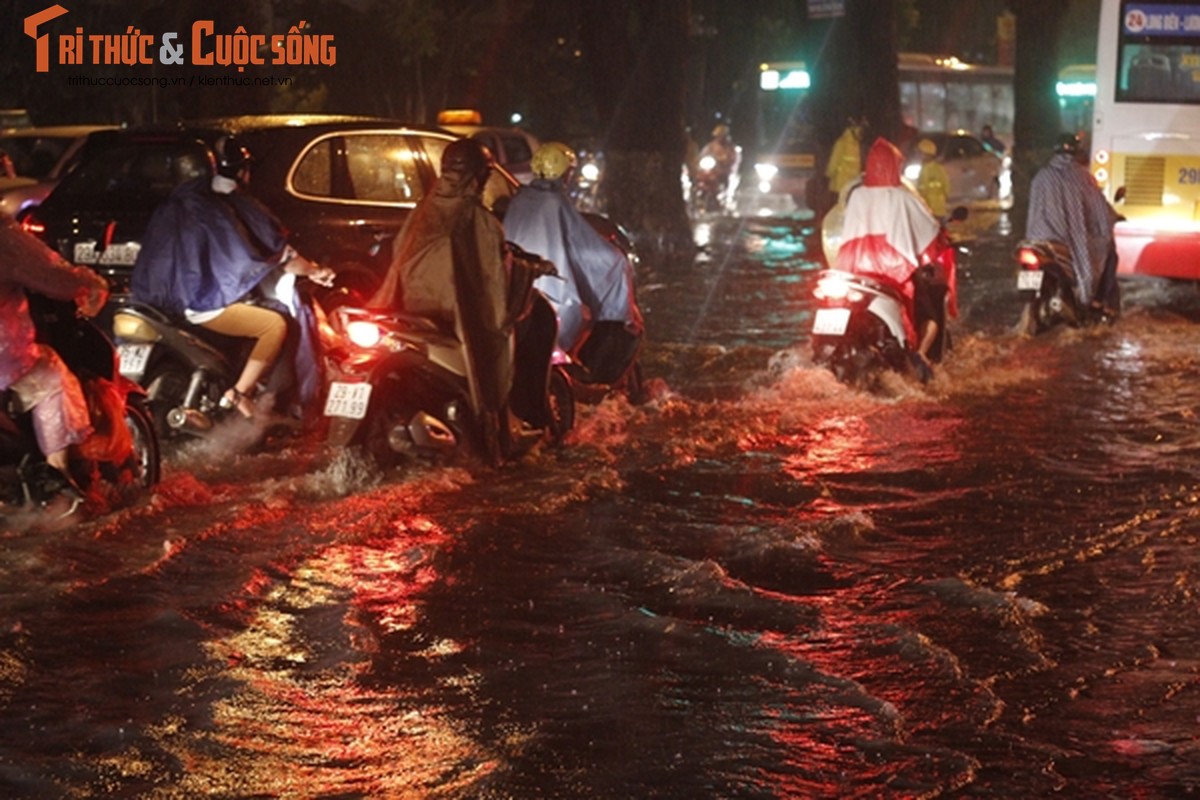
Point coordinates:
[(890, 234)]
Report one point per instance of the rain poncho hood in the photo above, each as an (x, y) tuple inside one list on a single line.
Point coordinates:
[(595, 279), (1066, 206), (888, 230), (204, 251), (448, 264)]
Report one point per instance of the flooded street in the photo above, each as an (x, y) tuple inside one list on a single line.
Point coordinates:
[(760, 584)]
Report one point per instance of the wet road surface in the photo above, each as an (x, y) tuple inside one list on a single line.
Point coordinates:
[(760, 584)]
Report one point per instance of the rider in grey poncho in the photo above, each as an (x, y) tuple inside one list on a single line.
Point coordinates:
[(595, 279), (1066, 205)]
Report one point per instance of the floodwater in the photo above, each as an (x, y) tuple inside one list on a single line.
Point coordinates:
[(760, 584)]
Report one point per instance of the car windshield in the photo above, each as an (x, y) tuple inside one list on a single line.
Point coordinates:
[(133, 174)]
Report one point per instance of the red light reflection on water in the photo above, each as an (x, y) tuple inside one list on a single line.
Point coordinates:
[(837, 442), (296, 722), (854, 443)]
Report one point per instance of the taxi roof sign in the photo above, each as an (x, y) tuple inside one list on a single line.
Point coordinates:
[(459, 116)]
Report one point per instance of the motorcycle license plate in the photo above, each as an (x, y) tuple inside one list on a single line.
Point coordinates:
[(1029, 280), (133, 359), (348, 400), (115, 254), (831, 321)]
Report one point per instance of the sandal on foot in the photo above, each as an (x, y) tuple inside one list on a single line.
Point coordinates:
[(234, 399)]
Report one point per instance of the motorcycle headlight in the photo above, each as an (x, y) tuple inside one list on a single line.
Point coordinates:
[(912, 172), (590, 172), (708, 163)]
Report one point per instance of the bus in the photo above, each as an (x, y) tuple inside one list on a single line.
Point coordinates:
[(1146, 133), (942, 93), (937, 94)]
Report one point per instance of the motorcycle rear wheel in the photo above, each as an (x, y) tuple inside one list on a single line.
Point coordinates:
[(123, 483)]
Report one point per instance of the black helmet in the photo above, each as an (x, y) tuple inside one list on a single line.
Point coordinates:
[(1068, 143), (467, 157), (232, 156)]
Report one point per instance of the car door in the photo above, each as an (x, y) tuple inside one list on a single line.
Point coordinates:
[(355, 189)]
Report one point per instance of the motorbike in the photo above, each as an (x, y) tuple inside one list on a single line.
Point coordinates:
[(584, 187), (119, 461), (712, 187), (186, 369), (1046, 283), (607, 358), (859, 326), (399, 389)]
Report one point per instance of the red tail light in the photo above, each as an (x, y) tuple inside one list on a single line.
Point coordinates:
[(832, 287), (1028, 258), (31, 224)]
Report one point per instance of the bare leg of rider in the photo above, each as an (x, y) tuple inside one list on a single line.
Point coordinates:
[(269, 329)]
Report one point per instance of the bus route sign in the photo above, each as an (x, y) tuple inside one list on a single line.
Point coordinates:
[(1159, 19)]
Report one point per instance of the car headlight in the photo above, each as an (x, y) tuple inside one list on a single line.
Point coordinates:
[(766, 172)]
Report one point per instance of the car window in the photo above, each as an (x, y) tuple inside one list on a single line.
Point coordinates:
[(367, 167), (516, 149), (963, 147), (497, 192), (134, 171), (434, 147)]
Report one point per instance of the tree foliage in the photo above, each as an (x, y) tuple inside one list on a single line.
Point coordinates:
[(1036, 120)]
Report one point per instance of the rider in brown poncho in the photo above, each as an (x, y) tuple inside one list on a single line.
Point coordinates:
[(449, 264)]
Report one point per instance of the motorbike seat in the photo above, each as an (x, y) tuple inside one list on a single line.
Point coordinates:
[(873, 283)]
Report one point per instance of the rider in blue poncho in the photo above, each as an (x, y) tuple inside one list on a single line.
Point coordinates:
[(208, 249), (593, 292)]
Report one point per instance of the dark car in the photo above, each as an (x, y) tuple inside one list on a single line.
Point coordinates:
[(40, 158), (342, 185)]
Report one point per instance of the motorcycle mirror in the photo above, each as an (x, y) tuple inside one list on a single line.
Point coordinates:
[(1120, 195), (959, 214)]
